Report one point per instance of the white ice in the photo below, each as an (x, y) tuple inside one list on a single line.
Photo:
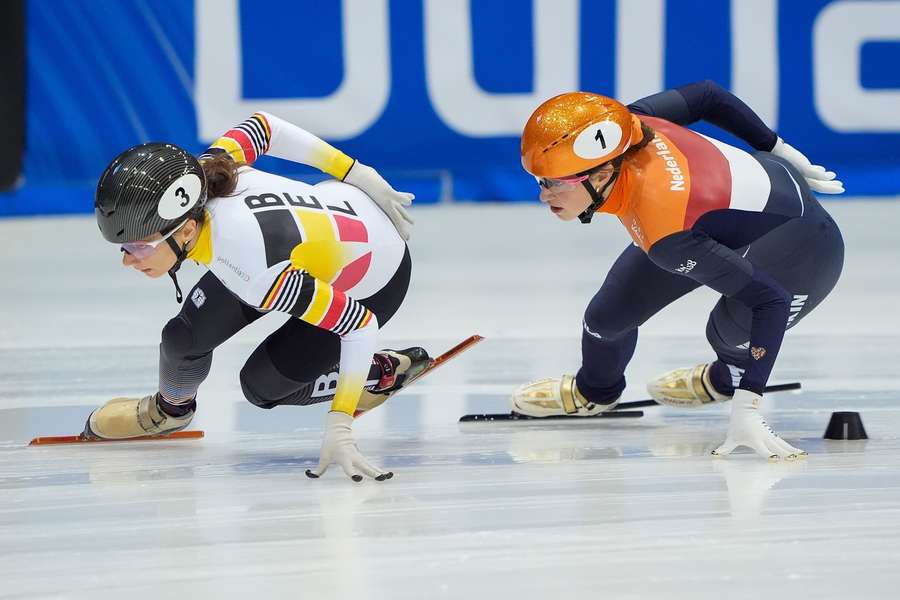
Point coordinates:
[(599, 509)]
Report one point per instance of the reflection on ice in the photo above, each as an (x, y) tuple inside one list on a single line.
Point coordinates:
[(750, 481)]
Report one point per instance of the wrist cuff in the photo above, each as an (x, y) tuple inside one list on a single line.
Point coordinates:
[(338, 165)]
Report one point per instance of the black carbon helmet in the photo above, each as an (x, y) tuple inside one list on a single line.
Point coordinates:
[(148, 189)]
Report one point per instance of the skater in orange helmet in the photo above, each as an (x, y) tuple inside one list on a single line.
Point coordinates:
[(700, 213)]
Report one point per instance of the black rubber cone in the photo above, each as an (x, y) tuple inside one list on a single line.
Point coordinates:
[(845, 426)]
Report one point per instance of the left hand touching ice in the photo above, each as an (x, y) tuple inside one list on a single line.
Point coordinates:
[(387, 198), (339, 447), (816, 176), (748, 428)]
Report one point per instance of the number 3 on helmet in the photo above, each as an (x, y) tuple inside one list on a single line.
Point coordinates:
[(575, 132), (148, 189)]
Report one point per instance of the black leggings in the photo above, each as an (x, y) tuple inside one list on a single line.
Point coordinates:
[(297, 364)]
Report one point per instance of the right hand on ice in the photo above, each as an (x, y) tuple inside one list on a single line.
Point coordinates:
[(748, 428), (339, 447), (816, 176), (387, 198)]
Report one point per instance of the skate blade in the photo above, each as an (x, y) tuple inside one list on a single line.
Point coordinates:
[(448, 355), (432, 365), (512, 416), (778, 387), (78, 439)]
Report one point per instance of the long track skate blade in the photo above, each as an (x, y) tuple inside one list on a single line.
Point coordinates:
[(77, 439), (625, 414)]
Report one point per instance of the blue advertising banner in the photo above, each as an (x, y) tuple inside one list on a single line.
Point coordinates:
[(434, 93)]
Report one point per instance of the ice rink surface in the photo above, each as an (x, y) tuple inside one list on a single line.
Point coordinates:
[(596, 509)]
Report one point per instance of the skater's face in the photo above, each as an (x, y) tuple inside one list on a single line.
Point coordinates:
[(152, 256), (568, 198)]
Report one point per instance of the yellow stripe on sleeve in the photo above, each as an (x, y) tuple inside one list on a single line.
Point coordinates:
[(319, 305), (276, 288), (347, 393), (231, 147), (365, 320), (334, 162)]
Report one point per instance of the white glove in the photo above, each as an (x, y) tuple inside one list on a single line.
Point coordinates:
[(816, 176), (380, 191), (339, 447), (748, 428)]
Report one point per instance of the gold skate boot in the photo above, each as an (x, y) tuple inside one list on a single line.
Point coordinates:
[(555, 396), (123, 418), (689, 387)]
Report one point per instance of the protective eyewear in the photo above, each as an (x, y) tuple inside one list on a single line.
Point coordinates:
[(141, 250), (549, 183)]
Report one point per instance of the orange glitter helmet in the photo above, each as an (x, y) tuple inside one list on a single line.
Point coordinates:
[(577, 131)]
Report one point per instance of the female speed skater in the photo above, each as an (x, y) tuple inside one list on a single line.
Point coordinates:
[(333, 256), (699, 212)]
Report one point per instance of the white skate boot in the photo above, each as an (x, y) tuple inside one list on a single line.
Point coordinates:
[(556, 396)]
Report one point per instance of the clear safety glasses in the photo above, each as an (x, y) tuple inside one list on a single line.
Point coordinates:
[(141, 250), (549, 183)]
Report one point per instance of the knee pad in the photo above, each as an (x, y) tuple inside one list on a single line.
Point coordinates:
[(603, 327), (252, 395), (264, 386), (728, 339), (259, 381), (177, 338), (605, 320)]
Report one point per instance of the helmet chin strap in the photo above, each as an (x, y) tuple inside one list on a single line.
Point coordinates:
[(180, 255), (599, 196)]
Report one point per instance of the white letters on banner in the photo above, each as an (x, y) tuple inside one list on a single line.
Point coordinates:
[(754, 56), (640, 52), (450, 73), (839, 33), (640, 48), (349, 111)]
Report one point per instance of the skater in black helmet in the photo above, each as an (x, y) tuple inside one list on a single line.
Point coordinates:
[(331, 255)]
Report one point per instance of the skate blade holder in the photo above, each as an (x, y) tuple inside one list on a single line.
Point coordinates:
[(513, 416), (77, 439)]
